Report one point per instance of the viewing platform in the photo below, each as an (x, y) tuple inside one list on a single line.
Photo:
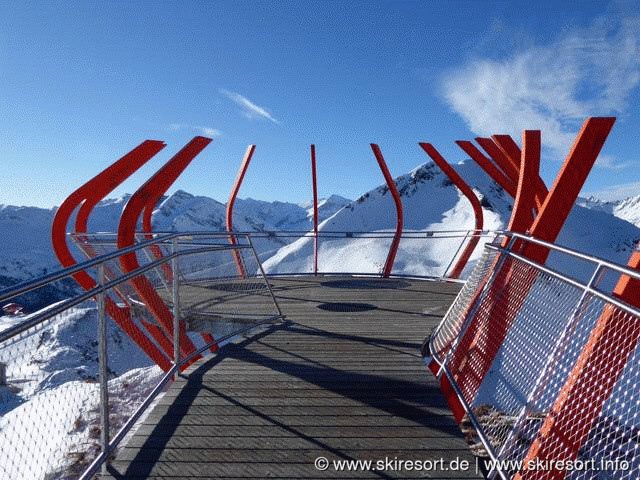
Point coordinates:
[(231, 354), (342, 378)]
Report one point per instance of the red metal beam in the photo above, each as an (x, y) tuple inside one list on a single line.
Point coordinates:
[(393, 250), (591, 381), (159, 182), (315, 209), (471, 196), (524, 203), (614, 338), (509, 168), (147, 214), (488, 166), (482, 340), (512, 151), (568, 184), (100, 191), (87, 196), (232, 199), (107, 181)]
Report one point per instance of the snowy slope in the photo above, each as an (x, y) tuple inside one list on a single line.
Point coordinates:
[(53, 395), (430, 202), (26, 249), (25, 232), (627, 209)]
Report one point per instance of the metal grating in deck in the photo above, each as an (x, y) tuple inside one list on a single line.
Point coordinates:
[(344, 384)]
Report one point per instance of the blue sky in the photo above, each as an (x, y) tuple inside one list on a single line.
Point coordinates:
[(82, 83)]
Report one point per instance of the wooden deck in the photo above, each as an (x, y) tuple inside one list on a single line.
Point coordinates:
[(341, 379)]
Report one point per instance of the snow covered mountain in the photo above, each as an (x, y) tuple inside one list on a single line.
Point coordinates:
[(432, 203), (25, 232), (627, 209), (185, 212), (61, 357)]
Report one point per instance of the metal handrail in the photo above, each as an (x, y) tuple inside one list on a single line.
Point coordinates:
[(92, 469), (574, 253), (298, 233), (99, 291), (65, 305), (599, 264), (30, 285), (585, 287), (589, 288)]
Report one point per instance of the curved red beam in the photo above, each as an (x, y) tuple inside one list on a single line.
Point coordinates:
[(513, 152), (489, 167), (578, 398), (138, 202), (471, 196), (82, 217), (147, 213), (524, 203), (509, 168), (393, 250), (232, 199), (87, 196)]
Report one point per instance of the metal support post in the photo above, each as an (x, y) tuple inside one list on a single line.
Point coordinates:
[(3, 374), (315, 209), (466, 235), (175, 296), (264, 275), (103, 374)]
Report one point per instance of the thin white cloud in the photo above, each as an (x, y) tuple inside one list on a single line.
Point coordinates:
[(249, 109), (609, 162), (616, 192), (585, 72), (208, 131)]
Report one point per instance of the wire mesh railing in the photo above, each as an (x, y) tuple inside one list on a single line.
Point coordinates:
[(421, 254), (77, 375), (545, 366)]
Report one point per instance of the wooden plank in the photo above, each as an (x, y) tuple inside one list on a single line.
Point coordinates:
[(334, 383)]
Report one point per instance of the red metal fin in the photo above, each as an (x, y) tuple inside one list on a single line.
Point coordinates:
[(232, 199), (151, 191), (393, 250), (488, 166), (471, 196)]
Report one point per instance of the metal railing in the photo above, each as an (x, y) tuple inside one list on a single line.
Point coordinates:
[(431, 254), (83, 384), (544, 364), (75, 385), (420, 254)]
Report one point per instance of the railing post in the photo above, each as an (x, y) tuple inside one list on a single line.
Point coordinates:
[(103, 374), (315, 210), (3, 374), (466, 235), (175, 296)]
